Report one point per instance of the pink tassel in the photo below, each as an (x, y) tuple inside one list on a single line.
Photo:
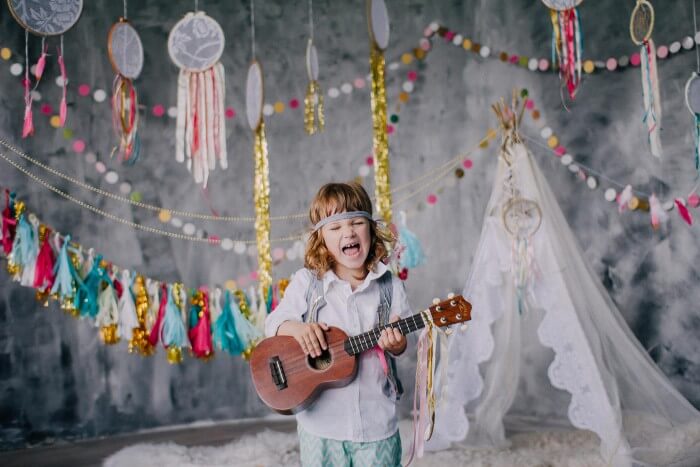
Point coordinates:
[(43, 275), (63, 110), (154, 336), (683, 211), (624, 198), (658, 215), (9, 226), (200, 334), (28, 127), (40, 65)]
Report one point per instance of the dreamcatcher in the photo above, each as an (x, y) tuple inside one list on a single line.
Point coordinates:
[(378, 24), (44, 18), (314, 120), (195, 45), (567, 41), (125, 53), (641, 27), (255, 95)]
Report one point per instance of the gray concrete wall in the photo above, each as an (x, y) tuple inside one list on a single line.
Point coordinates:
[(58, 381)]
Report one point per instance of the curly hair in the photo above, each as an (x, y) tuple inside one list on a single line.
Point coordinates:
[(334, 198)]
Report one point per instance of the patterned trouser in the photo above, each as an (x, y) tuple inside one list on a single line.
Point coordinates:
[(323, 452)]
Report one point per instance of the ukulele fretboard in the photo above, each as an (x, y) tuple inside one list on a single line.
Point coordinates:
[(357, 344)]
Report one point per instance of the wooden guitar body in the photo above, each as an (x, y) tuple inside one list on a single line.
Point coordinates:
[(288, 381)]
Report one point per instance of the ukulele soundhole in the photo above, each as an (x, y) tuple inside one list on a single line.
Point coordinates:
[(321, 362)]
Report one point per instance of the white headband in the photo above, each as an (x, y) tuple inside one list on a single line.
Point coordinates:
[(340, 217)]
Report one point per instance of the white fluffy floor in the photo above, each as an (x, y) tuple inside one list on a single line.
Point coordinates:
[(268, 448)]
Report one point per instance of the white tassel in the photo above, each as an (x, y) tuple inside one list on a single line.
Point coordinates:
[(108, 310), (128, 319), (188, 119), (215, 308), (29, 267)]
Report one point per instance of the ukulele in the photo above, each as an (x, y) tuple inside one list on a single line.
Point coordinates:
[(288, 380)]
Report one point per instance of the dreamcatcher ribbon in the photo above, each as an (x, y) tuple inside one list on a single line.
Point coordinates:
[(567, 47)]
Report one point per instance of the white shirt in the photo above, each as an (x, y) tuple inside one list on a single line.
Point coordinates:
[(360, 411)]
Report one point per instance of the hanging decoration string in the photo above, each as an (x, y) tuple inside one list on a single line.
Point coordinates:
[(314, 120)]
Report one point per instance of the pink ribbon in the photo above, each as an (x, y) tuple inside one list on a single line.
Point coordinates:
[(63, 111)]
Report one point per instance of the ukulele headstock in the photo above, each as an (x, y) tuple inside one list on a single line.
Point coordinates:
[(451, 311)]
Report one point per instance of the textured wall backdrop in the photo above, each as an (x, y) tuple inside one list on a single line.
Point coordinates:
[(58, 381)]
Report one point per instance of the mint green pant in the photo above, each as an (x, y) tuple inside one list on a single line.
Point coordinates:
[(323, 452)]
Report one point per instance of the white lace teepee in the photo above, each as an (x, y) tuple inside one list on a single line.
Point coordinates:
[(546, 343)]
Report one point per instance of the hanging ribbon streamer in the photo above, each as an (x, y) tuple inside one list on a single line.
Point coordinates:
[(652, 98), (125, 120), (63, 107), (567, 47), (28, 125), (379, 35), (195, 44), (261, 200)]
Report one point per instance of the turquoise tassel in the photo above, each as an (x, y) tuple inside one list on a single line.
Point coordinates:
[(268, 299), (224, 332), (412, 255), (247, 333), (63, 272), (86, 298), (173, 332)]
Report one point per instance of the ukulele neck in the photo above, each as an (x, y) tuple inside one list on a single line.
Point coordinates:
[(357, 344)]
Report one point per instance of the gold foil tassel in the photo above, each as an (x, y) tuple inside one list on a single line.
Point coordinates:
[(380, 140), (174, 355), (261, 200), (109, 334), (313, 108), (139, 338)]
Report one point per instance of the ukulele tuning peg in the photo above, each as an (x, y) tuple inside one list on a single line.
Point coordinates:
[(450, 295), (436, 301)]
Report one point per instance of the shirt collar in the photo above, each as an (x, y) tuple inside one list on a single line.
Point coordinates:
[(330, 277)]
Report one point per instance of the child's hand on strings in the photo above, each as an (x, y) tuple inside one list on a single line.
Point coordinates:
[(391, 339), (309, 335)]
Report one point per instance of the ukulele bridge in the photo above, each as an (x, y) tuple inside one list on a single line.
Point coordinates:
[(277, 372)]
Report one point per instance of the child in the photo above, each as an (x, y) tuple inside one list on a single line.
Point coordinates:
[(346, 284)]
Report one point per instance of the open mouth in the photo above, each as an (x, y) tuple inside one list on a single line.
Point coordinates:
[(351, 249)]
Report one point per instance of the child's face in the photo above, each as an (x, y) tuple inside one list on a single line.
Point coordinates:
[(348, 241)]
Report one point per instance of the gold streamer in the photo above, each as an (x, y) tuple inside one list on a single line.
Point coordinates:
[(380, 140), (313, 108), (261, 200)]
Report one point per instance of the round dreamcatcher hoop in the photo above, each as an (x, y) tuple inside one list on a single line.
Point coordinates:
[(641, 22), (521, 217)]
